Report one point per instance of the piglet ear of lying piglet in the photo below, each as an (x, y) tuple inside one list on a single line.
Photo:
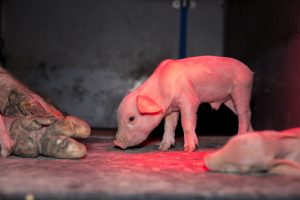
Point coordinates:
[(146, 105), (285, 167)]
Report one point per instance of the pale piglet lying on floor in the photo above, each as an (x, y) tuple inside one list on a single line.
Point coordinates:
[(180, 86), (262, 151)]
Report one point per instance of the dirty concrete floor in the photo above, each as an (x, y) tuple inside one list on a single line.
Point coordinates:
[(137, 173)]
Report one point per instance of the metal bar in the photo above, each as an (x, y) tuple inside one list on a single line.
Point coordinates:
[(184, 5)]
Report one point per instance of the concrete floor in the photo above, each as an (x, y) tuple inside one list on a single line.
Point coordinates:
[(137, 173)]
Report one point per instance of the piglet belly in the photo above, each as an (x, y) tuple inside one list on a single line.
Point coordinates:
[(217, 92), (211, 85)]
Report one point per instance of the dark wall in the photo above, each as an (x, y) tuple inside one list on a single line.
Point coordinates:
[(266, 36), (86, 55), (1, 30)]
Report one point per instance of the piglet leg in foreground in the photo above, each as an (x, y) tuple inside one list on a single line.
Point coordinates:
[(263, 151), (33, 136), (29, 123)]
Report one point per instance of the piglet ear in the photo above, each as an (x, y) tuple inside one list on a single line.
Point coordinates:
[(146, 105)]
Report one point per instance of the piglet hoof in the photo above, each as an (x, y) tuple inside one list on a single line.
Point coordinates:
[(190, 147), (165, 145), (190, 142), (71, 126), (59, 146)]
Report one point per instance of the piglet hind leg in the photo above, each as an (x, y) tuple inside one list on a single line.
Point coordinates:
[(169, 131), (241, 97), (229, 104)]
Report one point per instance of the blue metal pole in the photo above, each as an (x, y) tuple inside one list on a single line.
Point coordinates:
[(184, 4)]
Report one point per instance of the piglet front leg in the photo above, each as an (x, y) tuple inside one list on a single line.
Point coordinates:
[(188, 112), (169, 131)]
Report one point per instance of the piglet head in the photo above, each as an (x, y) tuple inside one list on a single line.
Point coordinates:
[(219, 161), (138, 115), (237, 156)]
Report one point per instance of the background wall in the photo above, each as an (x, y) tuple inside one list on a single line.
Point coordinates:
[(266, 36), (85, 55)]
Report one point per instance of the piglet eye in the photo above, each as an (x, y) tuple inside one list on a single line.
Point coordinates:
[(131, 118)]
